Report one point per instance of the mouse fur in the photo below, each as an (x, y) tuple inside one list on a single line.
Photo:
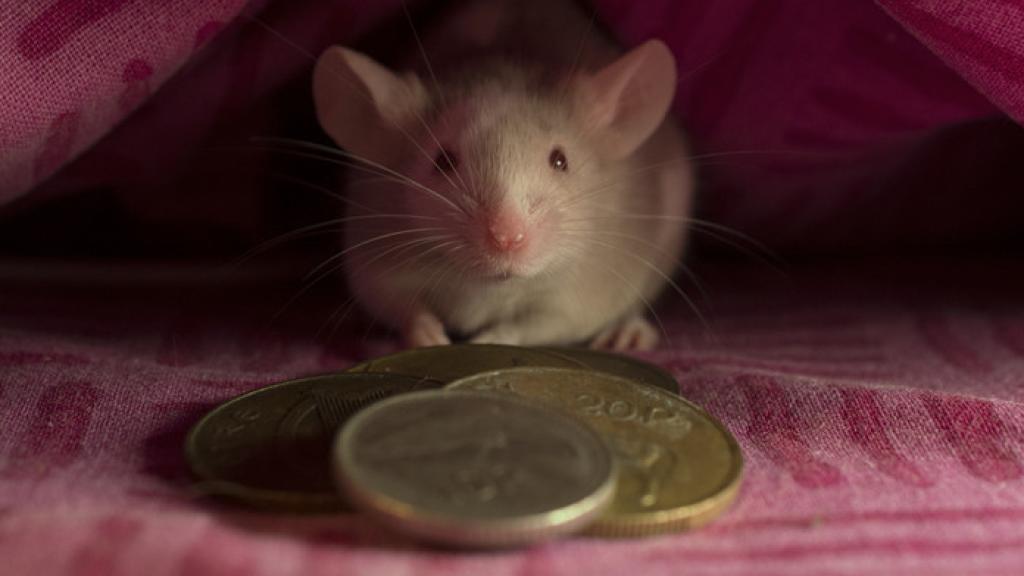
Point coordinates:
[(535, 194)]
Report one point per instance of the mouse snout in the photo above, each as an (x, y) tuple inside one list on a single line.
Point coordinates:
[(506, 231)]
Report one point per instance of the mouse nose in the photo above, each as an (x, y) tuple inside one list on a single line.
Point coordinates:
[(506, 232)]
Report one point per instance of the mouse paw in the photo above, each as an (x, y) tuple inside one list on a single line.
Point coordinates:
[(425, 329), (497, 335), (632, 333)]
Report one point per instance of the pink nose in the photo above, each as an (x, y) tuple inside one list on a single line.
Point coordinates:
[(507, 232)]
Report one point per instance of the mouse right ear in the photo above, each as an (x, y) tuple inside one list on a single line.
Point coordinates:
[(626, 101), (362, 105)]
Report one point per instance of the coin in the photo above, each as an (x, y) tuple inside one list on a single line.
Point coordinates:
[(270, 448), (679, 468), (449, 363), (620, 365), (473, 469)]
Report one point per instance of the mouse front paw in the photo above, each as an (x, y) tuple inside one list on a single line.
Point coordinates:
[(632, 333), (424, 329)]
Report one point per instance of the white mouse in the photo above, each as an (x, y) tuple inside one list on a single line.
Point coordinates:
[(527, 188)]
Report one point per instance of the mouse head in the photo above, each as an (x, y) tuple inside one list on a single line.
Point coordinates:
[(518, 169)]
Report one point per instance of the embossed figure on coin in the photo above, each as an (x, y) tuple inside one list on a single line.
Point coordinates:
[(651, 464), (305, 434), (495, 459), (473, 468), (270, 447), (678, 467), (230, 436)]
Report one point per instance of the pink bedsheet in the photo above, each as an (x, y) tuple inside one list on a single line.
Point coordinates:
[(878, 402)]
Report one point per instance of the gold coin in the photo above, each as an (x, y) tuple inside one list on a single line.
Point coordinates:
[(620, 365), (679, 468), (473, 469), (449, 363), (270, 448)]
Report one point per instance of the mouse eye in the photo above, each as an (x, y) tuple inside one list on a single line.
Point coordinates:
[(446, 161), (558, 161)]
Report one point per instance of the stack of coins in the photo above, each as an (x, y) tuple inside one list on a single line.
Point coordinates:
[(477, 445)]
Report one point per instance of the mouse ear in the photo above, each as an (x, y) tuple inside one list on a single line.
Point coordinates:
[(628, 99), (361, 104)]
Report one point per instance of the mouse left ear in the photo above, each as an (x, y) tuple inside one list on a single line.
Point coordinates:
[(363, 105), (627, 100)]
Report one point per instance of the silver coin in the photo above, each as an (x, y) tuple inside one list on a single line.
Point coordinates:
[(473, 468)]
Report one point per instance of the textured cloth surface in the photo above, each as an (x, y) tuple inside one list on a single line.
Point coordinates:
[(878, 403), (882, 426), (825, 124)]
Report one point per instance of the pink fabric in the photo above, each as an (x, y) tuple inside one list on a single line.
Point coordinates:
[(882, 425), (819, 125), (878, 404), (72, 69)]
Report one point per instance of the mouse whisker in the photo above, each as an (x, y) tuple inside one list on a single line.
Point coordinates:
[(423, 51), (411, 304), (743, 243), (368, 180), (696, 158), (639, 294), (310, 283), (378, 238), (447, 158), (329, 227), (345, 308), (323, 190), (363, 266), (394, 123), (359, 163), (334, 159), (303, 149), (349, 304), (386, 251), (668, 217), (576, 199), (686, 271), (317, 188), (440, 94), (282, 143), (401, 247), (358, 205), (675, 286), (438, 242), (332, 226), (567, 85)]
